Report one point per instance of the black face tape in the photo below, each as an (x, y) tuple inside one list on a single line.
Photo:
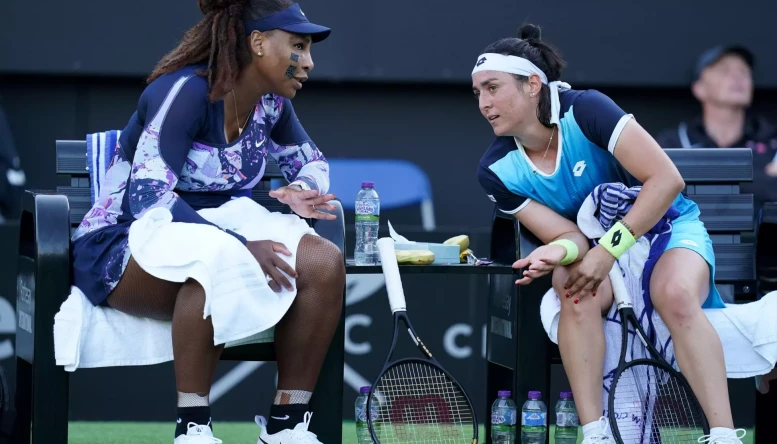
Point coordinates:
[(290, 71), (294, 57)]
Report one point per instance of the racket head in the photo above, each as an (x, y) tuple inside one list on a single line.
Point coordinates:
[(388, 260), (674, 414), (420, 402)]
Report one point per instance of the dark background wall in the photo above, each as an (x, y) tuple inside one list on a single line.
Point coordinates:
[(607, 42), (391, 82)]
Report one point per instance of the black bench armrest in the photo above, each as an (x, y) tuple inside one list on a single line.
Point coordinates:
[(765, 258), (43, 283), (332, 230), (510, 241), (44, 269)]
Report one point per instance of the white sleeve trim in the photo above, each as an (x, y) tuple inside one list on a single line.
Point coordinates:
[(616, 133), (520, 207)]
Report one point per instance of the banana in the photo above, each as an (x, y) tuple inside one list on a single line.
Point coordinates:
[(414, 257), (464, 254), (462, 241)]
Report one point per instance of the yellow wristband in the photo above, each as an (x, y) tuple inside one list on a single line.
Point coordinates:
[(571, 248), (618, 240)]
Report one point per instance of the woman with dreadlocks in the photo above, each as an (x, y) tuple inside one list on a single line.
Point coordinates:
[(213, 110)]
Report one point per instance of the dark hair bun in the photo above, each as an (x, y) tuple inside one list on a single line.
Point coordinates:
[(529, 32), (208, 6)]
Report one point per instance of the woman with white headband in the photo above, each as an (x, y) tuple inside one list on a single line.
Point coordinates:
[(554, 145)]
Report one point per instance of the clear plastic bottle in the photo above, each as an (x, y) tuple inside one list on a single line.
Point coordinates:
[(567, 421), (534, 420), (503, 418), (367, 224), (360, 415)]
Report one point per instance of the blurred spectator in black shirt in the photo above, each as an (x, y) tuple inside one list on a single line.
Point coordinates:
[(723, 84), (12, 176)]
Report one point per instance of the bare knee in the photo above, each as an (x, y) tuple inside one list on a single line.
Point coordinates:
[(587, 309), (192, 293), (677, 301), (320, 264)]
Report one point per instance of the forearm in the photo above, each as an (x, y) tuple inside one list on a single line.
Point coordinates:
[(653, 201)]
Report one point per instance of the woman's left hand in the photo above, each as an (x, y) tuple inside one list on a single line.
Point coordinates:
[(592, 271), (306, 203)]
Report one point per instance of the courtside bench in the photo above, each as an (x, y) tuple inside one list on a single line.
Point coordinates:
[(519, 353), (48, 218), (766, 272)]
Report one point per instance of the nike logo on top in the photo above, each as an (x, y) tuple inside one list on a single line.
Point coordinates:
[(283, 418)]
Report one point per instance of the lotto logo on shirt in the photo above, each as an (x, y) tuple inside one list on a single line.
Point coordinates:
[(579, 168)]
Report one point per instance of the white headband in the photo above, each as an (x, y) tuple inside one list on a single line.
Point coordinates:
[(521, 67)]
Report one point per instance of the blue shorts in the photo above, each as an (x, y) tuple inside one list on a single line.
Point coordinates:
[(689, 232)]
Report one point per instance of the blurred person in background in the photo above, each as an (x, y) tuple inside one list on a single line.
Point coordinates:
[(12, 176), (723, 84)]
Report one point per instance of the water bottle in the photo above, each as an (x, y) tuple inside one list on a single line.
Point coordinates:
[(566, 420), (362, 429), (503, 418), (367, 223), (534, 420)]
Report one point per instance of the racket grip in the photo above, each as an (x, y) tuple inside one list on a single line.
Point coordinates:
[(388, 259), (619, 290)]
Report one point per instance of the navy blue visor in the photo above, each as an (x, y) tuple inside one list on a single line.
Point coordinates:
[(291, 19)]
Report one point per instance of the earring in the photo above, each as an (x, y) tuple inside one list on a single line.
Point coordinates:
[(258, 53)]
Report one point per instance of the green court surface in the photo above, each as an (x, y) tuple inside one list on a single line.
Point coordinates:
[(229, 432)]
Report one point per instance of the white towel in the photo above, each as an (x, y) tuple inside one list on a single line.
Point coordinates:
[(237, 297)]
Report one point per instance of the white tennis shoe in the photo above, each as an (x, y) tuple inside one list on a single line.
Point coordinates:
[(731, 438), (197, 434), (298, 435), (599, 439), (602, 437)]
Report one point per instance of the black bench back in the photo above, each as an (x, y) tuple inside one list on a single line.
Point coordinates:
[(713, 178), (73, 180)]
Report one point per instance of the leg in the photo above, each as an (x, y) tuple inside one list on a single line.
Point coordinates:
[(302, 337), (581, 343), (679, 285), (141, 294)]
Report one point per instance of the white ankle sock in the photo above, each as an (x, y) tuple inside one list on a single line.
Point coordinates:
[(592, 428), (721, 431)]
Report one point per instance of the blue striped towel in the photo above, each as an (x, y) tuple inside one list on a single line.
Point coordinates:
[(606, 205), (99, 154)]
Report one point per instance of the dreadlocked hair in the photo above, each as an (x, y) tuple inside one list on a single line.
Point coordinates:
[(218, 40)]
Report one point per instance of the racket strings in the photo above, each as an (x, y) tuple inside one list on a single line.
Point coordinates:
[(651, 405), (419, 403)]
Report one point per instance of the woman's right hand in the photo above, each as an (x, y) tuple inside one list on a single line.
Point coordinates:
[(267, 253), (540, 262)]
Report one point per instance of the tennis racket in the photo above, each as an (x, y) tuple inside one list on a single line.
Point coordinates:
[(418, 401), (649, 401)]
